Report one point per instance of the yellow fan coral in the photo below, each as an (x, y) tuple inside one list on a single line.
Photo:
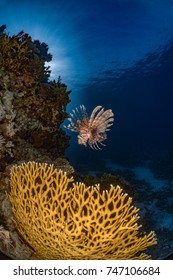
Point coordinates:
[(60, 221)]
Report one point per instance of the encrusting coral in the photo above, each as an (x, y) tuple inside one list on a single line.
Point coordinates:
[(32, 108), (5, 237), (61, 220)]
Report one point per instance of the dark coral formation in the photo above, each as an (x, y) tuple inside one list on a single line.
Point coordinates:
[(31, 107)]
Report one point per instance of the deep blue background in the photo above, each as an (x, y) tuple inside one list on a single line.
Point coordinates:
[(141, 97)]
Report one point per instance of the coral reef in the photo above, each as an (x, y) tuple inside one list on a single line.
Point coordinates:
[(64, 221), (31, 107)]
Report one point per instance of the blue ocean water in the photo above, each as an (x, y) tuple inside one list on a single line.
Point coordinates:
[(141, 99)]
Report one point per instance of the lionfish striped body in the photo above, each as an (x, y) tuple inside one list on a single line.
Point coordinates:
[(92, 131)]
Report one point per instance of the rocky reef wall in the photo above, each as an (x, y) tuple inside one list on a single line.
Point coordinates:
[(32, 108)]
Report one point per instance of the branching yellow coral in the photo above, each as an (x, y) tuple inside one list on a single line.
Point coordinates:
[(60, 221)]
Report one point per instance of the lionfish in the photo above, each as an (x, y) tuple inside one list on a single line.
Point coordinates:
[(92, 130)]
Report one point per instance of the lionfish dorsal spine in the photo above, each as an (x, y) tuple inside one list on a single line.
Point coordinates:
[(94, 113)]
